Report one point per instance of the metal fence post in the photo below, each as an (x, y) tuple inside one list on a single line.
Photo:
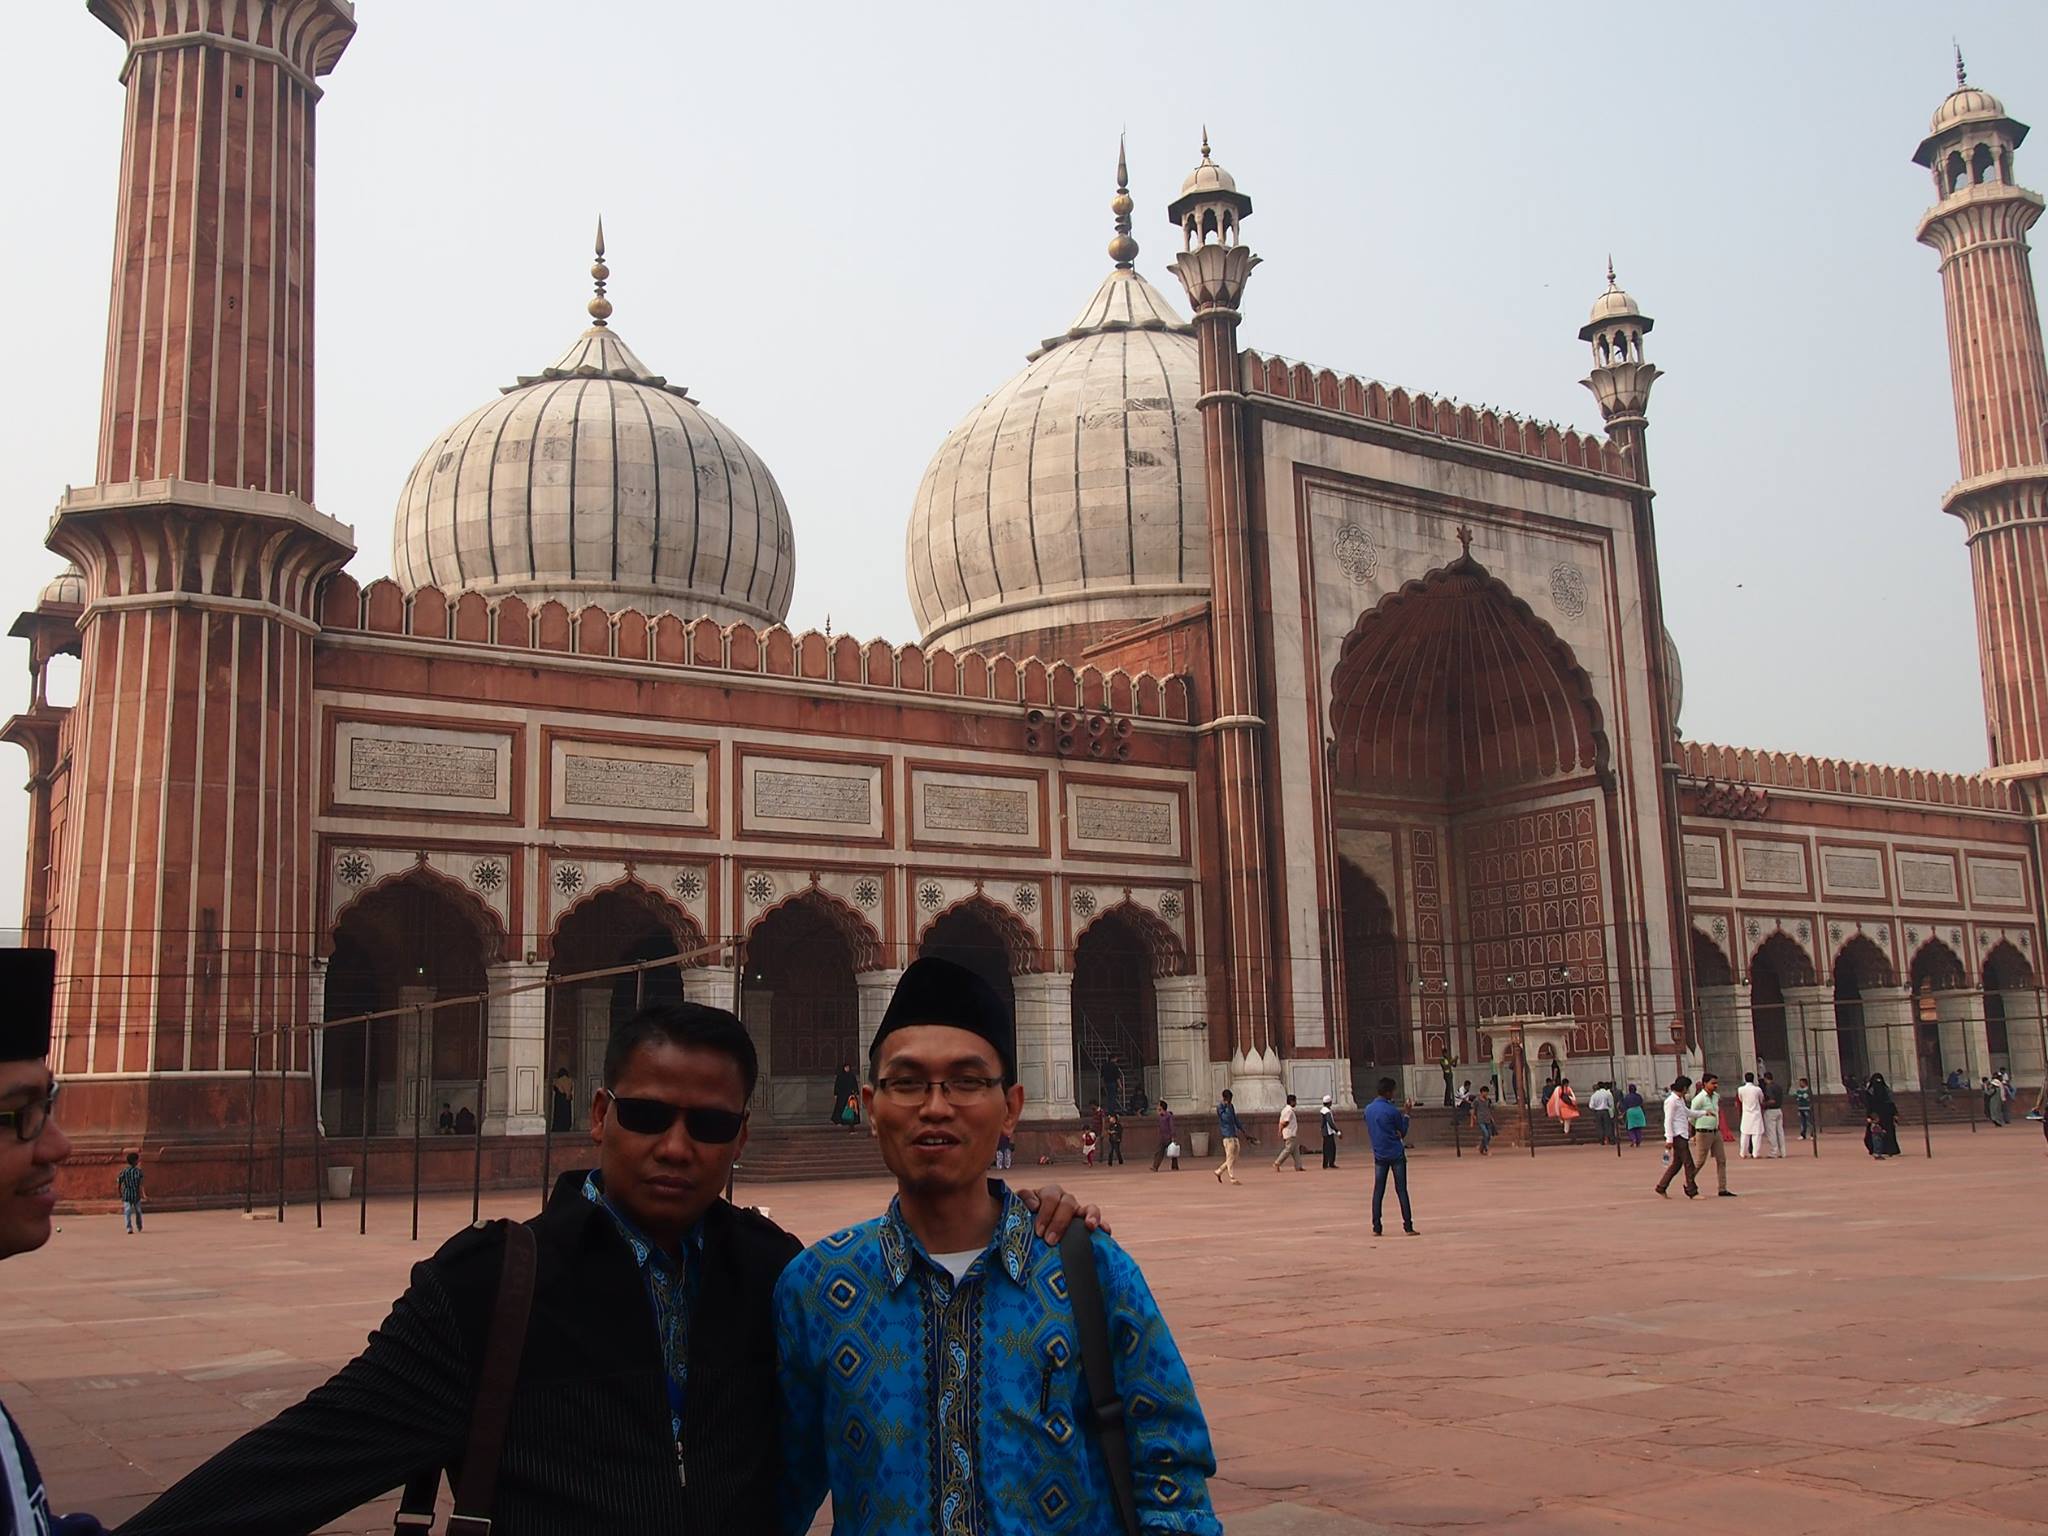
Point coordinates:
[(483, 1057), (277, 1045), (421, 1059), (363, 1183)]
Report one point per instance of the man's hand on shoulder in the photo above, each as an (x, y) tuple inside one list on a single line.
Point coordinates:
[(1056, 1210)]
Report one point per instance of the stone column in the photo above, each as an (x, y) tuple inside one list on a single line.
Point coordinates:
[(757, 1012), (316, 1010), (1965, 1043), (2023, 1054), (516, 1053), (1810, 1033), (710, 985), (1891, 1042), (413, 1074), (1182, 1006), (1045, 1045), (1727, 1040), (591, 1008)]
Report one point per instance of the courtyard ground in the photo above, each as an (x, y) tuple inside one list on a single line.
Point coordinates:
[(1848, 1347)]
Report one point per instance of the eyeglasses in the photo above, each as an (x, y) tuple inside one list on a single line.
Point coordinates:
[(653, 1117), (954, 1090), (29, 1120)]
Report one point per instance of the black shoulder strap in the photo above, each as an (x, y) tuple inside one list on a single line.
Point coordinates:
[(503, 1346), (1091, 1321)]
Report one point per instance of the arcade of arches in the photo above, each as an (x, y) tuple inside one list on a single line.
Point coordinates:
[(1473, 808)]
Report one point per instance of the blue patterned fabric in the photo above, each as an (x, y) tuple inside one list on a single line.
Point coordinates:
[(940, 1409), (670, 1289)]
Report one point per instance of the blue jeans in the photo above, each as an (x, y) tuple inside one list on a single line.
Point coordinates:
[(1486, 1134), (1380, 1167), (131, 1215)]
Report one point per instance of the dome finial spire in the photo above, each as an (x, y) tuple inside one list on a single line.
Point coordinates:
[(1123, 250), (1962, 75), (1205, 141), (1610, 271), (600, 306)]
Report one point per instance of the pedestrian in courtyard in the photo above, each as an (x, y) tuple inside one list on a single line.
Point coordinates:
[(1482, 1119), (128, 1185), (1290, 1136), (1231, 1130), (1169, 1142), (31, 1148), (1387, 1125), (1751, 1097), (644, 1396), (1678, 1139), (1774, 1115), (1633, 1118), (1330, 1133), (1098, 1122), (953, 1395), (1881, 1118), (845, 1085), (2008, 1095), (1706, 1132), (1446, 1065), (1601, 1103), (1114, 1130), (560, 1103), (1088, 1145), (1802, 1100), (1562, 1105), (1988, 1087)]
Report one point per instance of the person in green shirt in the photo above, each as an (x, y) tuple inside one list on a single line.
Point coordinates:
[(1802, 1099), (1705, 1110)]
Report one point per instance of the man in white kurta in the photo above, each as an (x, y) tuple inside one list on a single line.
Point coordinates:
[(1751, 1097)]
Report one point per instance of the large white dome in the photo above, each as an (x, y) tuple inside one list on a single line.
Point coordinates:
[(596, 481), (1074, 497)]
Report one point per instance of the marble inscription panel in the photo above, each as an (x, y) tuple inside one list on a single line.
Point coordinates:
[(1927, 875), (964, 808), (1098, 818), (629, 784), (1852, 871), (1703, 861), (830, 797), (1777, 864), (385, 765), (1996, 882)]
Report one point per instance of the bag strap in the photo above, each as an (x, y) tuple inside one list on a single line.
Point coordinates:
[(504, 1345), (1106, 1409)]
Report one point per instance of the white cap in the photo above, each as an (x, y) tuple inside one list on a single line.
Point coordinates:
[(1326, 1098)]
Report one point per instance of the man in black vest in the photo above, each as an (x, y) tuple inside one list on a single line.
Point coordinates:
[(31, 1147), (626, 1415)]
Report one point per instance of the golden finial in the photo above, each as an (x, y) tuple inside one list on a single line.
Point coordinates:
[(1962, 77), (600, 306), (1205, 143), (1123, 250), (1610, 271)]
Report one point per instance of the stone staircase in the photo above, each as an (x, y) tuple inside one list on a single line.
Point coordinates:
[(784, 1153)]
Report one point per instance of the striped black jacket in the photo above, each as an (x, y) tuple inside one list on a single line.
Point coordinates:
[(587, 1448)]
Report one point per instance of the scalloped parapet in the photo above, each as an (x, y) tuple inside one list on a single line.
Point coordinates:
[(828, 661), (1794, 771), (1370, 400)]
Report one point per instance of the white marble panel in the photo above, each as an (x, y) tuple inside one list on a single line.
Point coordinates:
[(380, 763)]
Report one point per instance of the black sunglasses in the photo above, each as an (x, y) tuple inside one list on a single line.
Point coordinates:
[(653, 1117)]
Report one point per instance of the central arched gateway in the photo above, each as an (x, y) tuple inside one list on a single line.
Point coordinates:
[(1471, 779)]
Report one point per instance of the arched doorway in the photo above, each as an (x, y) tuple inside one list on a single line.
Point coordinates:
[(1859, 965), (406, 943), (981, 936), (1378, 1033), (1936, 968), (613, 927), (1778, 963), (2005, 970), (1453, 701), (1116, 1007), (798, 991)]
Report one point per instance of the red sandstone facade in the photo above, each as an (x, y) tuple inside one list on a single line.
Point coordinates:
[(1402, 761)]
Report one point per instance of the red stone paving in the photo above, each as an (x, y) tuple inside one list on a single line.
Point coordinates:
[(1847, 1347)]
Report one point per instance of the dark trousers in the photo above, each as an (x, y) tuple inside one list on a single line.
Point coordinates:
[(1116, 1151), (1449, 1094), (1380, 1168), (1681, 1158), (1329, 1151), (1606, 1119)]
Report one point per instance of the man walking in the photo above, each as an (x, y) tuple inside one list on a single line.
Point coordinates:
[(1169, 1143), (1678, 1138), (935, 1362), (1482, 1119), (1330, 1134), (1751, 1097), (1290, 1136), (1387, 1124), (128, 1185), (1601, 1102), (1706, 1131), (1231, 1129), (1993, 1101), (31, 1148), (1774, 1115)]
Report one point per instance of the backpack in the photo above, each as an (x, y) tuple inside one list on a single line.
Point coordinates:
[(1105, 1408)]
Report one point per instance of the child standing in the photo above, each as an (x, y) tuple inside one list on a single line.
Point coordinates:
[(128, 1184), (1115, 1135), (1802, 1100), (1088, 1146)]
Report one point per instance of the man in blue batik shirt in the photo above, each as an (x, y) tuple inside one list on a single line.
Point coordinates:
[(931, 1368)]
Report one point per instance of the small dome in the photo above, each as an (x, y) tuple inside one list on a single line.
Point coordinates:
[(1965, 104), (1208, 177), (64, 590), (1614, 304), (597, 481), (1075, 496)]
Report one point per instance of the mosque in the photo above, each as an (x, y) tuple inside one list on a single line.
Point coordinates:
[(1269, 727)]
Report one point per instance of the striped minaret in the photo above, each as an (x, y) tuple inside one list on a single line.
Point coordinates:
[(1979, 225), (1214, 268), (184, 914)]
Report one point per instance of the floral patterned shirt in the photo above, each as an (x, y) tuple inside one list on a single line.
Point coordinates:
[(670, 1289), (960, 1409)]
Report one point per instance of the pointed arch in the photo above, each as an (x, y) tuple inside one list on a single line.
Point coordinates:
[(1020, 944), (863, 943), (2006, 969), (1169, 956), (1936, 967), (654, 903), (1710, 964), (489, 932)]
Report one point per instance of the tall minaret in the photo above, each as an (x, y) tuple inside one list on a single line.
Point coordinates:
[(1979, 225), (185, 913), (1214, 268)]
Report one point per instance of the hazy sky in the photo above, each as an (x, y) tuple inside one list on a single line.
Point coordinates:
[(841, 226)]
